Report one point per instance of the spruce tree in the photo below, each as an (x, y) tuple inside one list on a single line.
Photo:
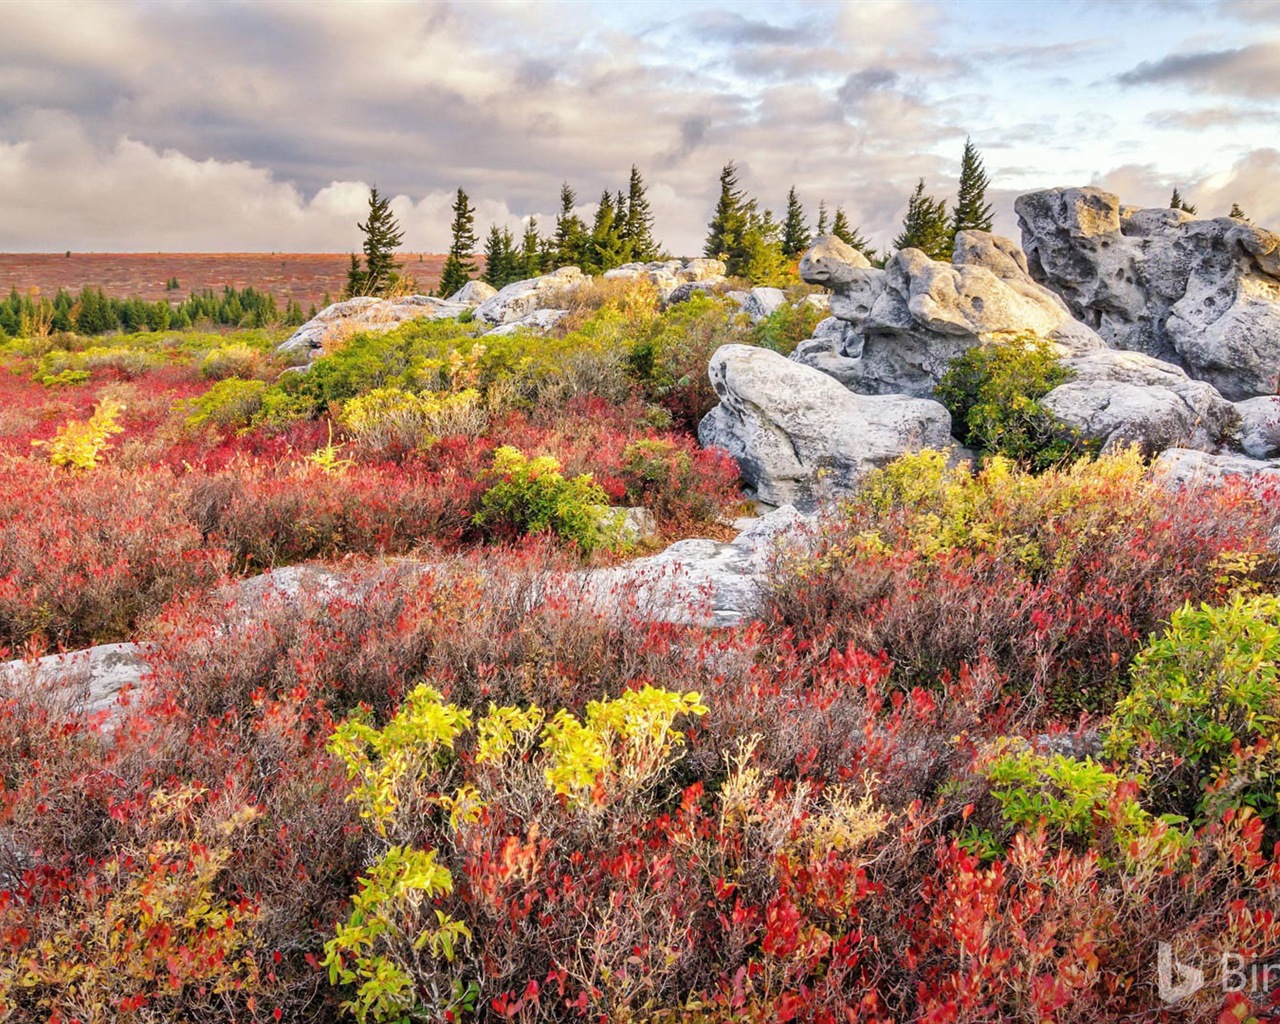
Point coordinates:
[(571, 232), (729, 222), (847, 233), (926, 226), (795, 232), (607, 248), (498, 257), (531, 246), (1176, 202), (382, 237), (1238, 213), (355, 278), (972, 212), (459, 267), (637, 227), (758, 256), (822, 217)]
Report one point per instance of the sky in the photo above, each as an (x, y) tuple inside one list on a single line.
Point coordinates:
[(237, 126)]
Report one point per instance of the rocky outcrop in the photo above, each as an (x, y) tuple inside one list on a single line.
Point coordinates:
[(540, 320), (520, 298), (797, 434), (1120, 398), (333, 325), (87, 682), (473, 293), (907, 322), (1183, 467), (1260, 427), (1201, 293), (672, 276)]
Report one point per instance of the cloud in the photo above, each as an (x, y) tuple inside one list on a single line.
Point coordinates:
[(1252, 71), (1250, 181), (1196, 120)]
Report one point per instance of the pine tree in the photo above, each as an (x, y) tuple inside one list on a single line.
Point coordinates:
[(843, 230), (499, 257), (531, 246), (571, 232), (729, 222), (637, 227), (926, 226), (1176, 202), (355, 278), (822, 217), (1238, 213), (758, 256), (382, 237), (459, 267), (607, 248), (972, 212), (795, 232)]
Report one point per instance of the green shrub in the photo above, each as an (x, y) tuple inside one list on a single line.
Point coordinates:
[(787, 326), (530, 496), (127, 361), (1202, 718), (993, 392), (229, 405)]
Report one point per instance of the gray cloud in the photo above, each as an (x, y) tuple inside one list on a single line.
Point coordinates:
[(1252, 71)]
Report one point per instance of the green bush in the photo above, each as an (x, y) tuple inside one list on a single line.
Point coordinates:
[(1202, 719), (530, 496), (787, 326), (230, 404), (993, 392)]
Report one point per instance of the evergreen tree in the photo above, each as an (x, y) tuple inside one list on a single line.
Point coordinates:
[(355, 278), (607, 247), (531, 250), (459, 265), (500, 258), (926, 226), (637, 226), (1238, 213), (758, 256), (822, 217), (382, 237), (972, 212), (847, 233), (795, 232), (1176, 202), (729, 222), (571, 232)]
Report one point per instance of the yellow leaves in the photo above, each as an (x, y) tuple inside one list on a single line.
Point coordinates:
[(504, 729), (391, 415), (79, 443)]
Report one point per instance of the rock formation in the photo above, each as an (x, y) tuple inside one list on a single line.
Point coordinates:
[(1201, 293), (364, 314), (797, 433)]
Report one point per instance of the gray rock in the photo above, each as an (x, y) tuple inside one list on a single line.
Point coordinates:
[(334, 324), (701, 270), (520, 298), (539, 321), (911, 319), (83, 682), (473, 293), (1120, 398), (697, 581), (1183, 467), (1260, 426), (637, 525), (684, 292), (798, 434), (760, 302), (1204, 294)]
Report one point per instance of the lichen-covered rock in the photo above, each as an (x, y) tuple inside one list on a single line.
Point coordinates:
[(1119, 398), (520, 298), (1185, 466), (798, 434), (1201, 293), (539, 321), (761, 302), (1260, 426), (88, 681), (365, 314), (473, 293), (911, 319)]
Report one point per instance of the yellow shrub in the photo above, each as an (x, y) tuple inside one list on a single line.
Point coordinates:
[(80, 443), (394, 418)]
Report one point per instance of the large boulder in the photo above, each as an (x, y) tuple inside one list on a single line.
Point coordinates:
[(364, 314), (520, 298), (1260, 427), (1201, 293), (473, 293), (1185, 466), (910, 320), (797, 433), (1120, 398), (87, 682)]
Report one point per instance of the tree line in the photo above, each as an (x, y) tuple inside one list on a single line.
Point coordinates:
[(92, 311)]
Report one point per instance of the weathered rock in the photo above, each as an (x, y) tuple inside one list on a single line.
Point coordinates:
[(760, 302), (540, 321), (797, 433), (86, 682), (834, 349), (637, 525), (701, 270), (1260, 426), (520, 298), (698, 581), (473, 293), (1201, 293), (334, 324), (1183, 466), (671, 276), (1120, 398), (910, 320), (684, 292)]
